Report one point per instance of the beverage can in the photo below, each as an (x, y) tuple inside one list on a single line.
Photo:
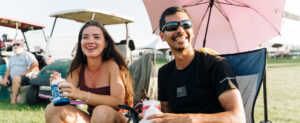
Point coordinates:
[(58, 100)]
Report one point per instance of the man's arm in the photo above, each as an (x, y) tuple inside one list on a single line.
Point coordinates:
[(32, 66), (165, 107), (230, 100)]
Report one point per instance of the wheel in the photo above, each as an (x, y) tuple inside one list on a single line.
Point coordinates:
[(32, 95)]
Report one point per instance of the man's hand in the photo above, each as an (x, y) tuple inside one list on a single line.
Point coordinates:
[(173, 118), (5, 81)]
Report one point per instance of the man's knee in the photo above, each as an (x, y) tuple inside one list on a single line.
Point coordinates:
[(17, 79)]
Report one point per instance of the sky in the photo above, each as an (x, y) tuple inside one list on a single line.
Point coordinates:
[(38, 11)]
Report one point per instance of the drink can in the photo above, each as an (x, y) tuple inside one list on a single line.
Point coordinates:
[(58, 100)]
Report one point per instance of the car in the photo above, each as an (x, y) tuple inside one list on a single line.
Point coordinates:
[(40, 85)]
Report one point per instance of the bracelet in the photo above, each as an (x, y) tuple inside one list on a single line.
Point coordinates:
[(88, 98)]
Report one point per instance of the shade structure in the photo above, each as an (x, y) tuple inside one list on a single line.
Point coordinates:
[(234, 25)]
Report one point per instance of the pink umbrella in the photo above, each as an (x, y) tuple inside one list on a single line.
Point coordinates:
[(227, 26)]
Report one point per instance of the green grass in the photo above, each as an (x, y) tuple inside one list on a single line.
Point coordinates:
[(21, 113), (283, 61), (283, 90)]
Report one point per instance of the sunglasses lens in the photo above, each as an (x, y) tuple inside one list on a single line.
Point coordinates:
[(16, 44), (171, 26), (186, 24)]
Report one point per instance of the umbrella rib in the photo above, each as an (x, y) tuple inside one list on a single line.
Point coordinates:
[(229, 3), (226, 17), (201, 23), (278, 32), (198, 3)]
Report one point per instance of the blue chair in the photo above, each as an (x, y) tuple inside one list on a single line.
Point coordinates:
[(249, 68)]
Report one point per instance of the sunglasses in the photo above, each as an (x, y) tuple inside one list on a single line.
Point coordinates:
[(16, 44), (173, 25)]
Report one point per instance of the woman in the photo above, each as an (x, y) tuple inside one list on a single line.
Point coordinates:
[(101, 74)]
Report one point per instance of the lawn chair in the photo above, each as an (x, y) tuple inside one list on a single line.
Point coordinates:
[(249, 68), (145, 85)]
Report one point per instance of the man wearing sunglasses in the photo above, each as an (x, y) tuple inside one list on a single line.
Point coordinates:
[(196, 86), (20, 68)]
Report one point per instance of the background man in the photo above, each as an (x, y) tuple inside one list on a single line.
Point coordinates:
[(20, 69)]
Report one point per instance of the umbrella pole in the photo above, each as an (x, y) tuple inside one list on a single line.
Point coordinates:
[(210, 7)]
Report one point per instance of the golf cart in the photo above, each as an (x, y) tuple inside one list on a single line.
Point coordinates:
[(40, 85), (30, 31)]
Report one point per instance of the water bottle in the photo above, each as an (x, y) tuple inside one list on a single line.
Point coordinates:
[(58, 100)]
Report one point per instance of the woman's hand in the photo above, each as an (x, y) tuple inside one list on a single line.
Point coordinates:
[(54, 76), (68, 90)]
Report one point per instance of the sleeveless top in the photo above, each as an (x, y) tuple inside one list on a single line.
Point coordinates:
[(102, 90)]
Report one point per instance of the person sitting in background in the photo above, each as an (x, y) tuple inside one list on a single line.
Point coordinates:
[(20, 70), (102, 76)]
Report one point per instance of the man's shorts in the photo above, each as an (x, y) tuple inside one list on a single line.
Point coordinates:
[(24, 80)]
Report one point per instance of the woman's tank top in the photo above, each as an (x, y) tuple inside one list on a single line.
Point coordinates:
[(102, 90)]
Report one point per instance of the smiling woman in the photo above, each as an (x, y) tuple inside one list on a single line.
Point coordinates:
[(102, 76)]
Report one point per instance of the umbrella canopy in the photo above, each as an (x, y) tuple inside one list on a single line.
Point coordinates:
[(227, 26)]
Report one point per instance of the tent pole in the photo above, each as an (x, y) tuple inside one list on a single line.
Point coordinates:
[(210, 7)]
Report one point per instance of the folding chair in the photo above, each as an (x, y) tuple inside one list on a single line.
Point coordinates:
[(249, 68)]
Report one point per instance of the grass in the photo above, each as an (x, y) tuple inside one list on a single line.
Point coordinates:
[(21, 113), (283, 87), (283, 83)]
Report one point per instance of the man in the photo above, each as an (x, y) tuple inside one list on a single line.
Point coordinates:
[(21, 66), (196, 86)]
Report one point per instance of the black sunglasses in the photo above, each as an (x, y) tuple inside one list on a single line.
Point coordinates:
[(16, 44), (173, 25)]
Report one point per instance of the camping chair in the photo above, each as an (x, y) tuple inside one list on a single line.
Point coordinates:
[(249, 68), (145, 85)]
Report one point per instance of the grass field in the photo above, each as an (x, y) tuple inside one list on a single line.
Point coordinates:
[(283, 86)]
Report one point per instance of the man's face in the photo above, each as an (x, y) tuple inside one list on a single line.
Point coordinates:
[(18, 45), (179, 38)]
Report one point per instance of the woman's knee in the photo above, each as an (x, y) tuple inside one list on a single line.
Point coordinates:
[(103, 113), (54, 112)]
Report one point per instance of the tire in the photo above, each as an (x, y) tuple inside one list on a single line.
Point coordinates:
[(32, 95)]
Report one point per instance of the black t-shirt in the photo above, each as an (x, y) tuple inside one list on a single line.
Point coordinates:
[(196, 88)]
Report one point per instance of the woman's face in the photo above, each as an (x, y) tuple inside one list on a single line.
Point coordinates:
[(92, 42)]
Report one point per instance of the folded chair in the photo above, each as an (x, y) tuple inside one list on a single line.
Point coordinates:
[(249, 68)]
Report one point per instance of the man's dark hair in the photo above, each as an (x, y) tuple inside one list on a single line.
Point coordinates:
[(170, 11)]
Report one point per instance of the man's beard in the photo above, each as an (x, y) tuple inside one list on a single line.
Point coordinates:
[(173, 38), (18, 51)]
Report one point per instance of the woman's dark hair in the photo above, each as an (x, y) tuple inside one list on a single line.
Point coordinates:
[(109, 52)]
